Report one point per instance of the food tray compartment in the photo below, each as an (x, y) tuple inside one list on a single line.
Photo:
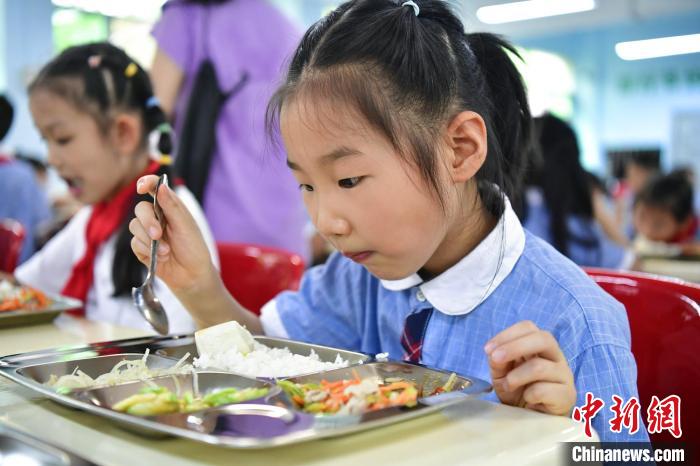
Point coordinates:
[(426, 380), (94, 366), (207, 382)]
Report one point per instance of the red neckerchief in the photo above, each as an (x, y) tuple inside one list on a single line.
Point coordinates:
[(688, 233), (105, 219), (4, 159)]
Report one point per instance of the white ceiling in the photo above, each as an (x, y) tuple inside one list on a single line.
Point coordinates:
[(607, 12)]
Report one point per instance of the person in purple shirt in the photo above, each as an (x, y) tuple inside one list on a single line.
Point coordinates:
[(249, 196)]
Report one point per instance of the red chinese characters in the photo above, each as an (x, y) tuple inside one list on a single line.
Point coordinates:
[(588, 411), (627, 415), (665, 415), (661, 414)]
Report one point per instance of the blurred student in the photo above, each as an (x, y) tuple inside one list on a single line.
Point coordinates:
[(639, 168), (603, 210), (663, 212), (240, 47), (559, 206), (21, 196), (95, 109)]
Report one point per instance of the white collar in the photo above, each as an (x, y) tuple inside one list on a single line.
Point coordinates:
[(465, 285)]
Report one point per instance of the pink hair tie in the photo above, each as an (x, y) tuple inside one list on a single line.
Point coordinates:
[(94, 61)]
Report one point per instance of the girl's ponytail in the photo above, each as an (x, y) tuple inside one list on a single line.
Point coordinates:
[(161, 137), (510, 119)]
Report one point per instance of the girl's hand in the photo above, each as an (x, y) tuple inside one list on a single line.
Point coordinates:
[(184, 262), (529, 370)]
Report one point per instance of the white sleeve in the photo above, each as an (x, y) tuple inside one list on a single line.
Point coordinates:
[(193, 206), (49, 269), (271, 321)]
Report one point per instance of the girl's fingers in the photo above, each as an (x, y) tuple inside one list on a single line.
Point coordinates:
[(176, 213), (537, 370), (499, 365), (550, 397), (141, 250), (514, 331), (146, 217), (146, 184), (539, 343), (136, 229)]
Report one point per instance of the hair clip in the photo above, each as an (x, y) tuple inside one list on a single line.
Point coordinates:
[(165, 128), (416, 9), (165, 159), (152, 101), (131, 70), (94, 61)]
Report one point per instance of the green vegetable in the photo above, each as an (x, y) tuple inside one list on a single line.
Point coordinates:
[(291, 389), (151, 401)]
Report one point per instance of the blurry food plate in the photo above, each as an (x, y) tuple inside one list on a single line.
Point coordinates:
[(23, 305)]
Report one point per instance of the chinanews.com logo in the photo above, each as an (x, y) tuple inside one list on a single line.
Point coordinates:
[(661, 415)]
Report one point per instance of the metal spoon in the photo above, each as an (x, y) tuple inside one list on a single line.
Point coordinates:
[(144, 298)]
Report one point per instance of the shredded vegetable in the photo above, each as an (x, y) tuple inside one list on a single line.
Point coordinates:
[(123, 371)]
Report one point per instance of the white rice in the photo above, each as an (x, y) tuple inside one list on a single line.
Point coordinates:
[(267, 362)]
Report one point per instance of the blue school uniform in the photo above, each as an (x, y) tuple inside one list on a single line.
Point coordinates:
[(511, 276)]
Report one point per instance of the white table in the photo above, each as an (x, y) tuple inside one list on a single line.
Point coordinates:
[(476, 432)]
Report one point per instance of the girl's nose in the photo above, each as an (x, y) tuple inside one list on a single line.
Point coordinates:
[(331, 225)]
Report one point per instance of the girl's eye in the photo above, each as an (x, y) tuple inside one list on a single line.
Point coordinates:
[(350, 182), (63, 141), (306, 187)]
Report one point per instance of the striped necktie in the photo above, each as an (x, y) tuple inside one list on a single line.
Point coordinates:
[(413, 334)]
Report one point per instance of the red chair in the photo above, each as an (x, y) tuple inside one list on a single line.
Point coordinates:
[(256, 274), (664, 316), (11, 240)]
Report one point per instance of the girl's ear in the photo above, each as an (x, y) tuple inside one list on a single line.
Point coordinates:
[(466, 137), (125, 133)]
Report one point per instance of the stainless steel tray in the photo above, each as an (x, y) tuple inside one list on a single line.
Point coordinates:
[(30, 317), (27, 449), (273, 421), (268, 423)]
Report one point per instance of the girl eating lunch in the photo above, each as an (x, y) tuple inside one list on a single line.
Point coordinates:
[(407, 137)]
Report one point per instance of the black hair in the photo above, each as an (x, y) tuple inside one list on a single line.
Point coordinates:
[(672, 192), (565, 185), (38, 165), (408, 75), (100, 79), (647, 159), (7, 113)]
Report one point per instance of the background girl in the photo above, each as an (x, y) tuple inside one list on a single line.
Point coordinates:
[(559, 205), (94, 107), (406, 135)]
